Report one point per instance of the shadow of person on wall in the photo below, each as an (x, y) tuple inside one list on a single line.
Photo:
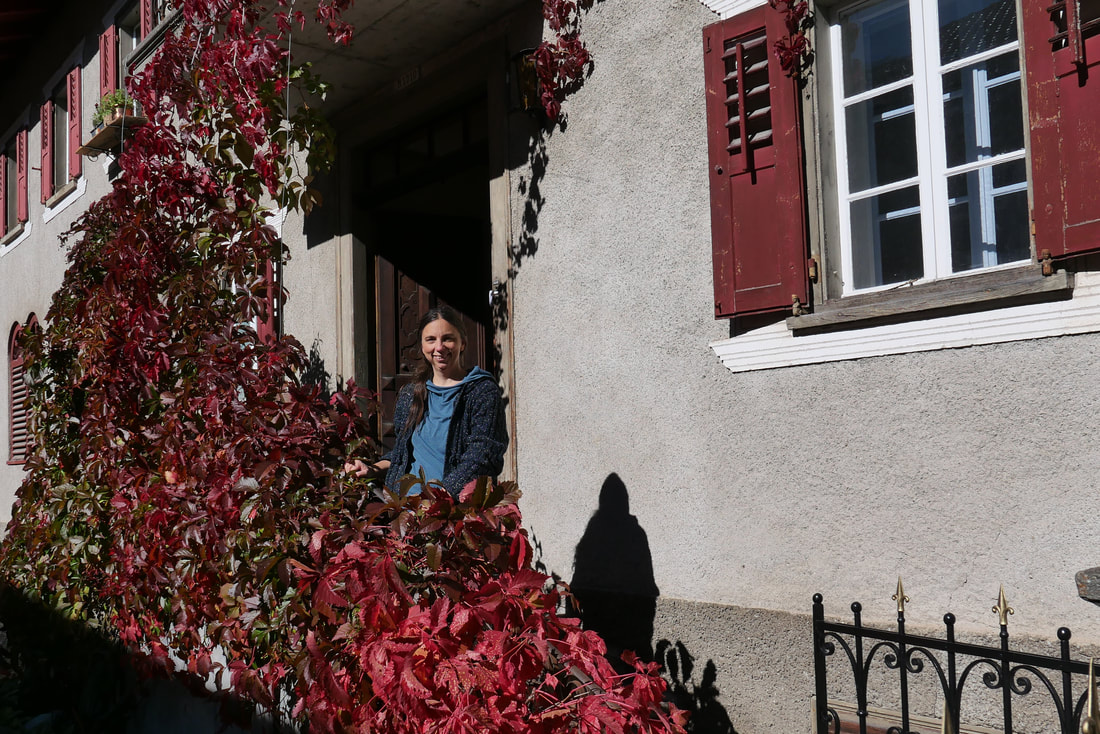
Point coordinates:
[(613, 577)]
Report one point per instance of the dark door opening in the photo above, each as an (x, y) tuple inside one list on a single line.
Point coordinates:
[(425, 217)]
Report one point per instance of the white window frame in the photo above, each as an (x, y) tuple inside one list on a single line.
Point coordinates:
[(932, 169)]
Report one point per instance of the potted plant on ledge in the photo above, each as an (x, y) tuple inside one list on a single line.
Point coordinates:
[(111, 106), (113, 119)]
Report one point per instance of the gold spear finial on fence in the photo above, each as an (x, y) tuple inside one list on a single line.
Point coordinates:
[(1091, 724), (948, 726), (900, 597), (1003, 610)]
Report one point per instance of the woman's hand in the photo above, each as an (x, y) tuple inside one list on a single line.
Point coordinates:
[(361, 469)]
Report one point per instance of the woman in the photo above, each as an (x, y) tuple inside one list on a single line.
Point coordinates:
[(449, 420)]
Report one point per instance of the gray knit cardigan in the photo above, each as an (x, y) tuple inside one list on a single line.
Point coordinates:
[(476, 439)]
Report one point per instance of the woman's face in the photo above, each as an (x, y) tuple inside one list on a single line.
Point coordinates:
[(442, 346)]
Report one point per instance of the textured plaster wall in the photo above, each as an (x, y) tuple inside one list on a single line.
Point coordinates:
[(310, 313), (959, 470), (32, 270)]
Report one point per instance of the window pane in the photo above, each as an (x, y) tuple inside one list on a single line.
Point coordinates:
[(60, 140), (882, 142), (1006, 174), (968, 27), (877, 49), (886, 238), (12, 189), (983, 110), (989, 218)]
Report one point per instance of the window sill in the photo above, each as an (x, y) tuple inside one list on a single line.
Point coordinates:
[(980, 291), (9, 241), (12, 235), (60, 194), (775, 346), (64, 196)]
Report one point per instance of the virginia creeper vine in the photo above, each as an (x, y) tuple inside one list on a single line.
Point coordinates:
[(185, 495)]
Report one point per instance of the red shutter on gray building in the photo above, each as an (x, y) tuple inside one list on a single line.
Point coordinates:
[(17, 400), (21, 176), (46, 127), (146, 17), (74, 111), (758, 220), (1062, 61), (267, 322), (4, 184), (108, 61), (5, 189)]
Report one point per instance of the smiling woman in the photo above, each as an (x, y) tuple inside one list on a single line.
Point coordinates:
[(449, 420)]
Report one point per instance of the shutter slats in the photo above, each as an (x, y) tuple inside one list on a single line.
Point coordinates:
[(146, 17), (21, 176), (758, 227), (75, 161), (1062, 66), (46, 128), (748, 45), (108, 61), (4, 184), (18, 431)]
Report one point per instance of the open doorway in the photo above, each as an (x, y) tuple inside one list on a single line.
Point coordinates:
[(425, 218)]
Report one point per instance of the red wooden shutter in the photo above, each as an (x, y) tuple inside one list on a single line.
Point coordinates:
[(4, 184), (108, 61), (758, 220), (146, 13), (74, 111), (267, 323), (46, 120), (17, 400), (1062, 63), (21, 176)]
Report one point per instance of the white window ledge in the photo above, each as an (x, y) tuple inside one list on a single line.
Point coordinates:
[(66, 195), (730, 8), (24, 232), (776, 346)]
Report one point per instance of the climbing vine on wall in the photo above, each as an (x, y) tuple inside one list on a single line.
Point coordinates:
[(186, 495), (793, 50), (563, 62)]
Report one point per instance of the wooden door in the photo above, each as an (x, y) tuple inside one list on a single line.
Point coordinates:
[(400, 304)]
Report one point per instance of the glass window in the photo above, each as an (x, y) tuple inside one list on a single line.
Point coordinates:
[(930, 139)]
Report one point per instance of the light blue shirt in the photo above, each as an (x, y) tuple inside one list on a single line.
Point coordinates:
[(429, 440)]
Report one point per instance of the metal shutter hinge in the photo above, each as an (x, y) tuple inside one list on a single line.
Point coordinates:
[(1046, 262)]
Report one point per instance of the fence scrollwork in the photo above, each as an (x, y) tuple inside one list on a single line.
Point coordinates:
[(1015, 673)]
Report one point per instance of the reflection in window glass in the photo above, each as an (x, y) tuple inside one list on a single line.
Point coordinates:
[(950, 141), (882, 144), (876, 46), (886, 238), (969, 27), (983, 110), (989, 222)]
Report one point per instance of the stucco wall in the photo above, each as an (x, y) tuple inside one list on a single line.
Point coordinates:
[(32, 269), (960, 470)]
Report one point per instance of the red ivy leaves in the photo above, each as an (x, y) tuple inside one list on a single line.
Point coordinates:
[(450, 630), (793, 50), (562, 63), (185, 495)]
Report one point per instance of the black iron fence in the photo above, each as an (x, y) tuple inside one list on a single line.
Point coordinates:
[(1015, 674)]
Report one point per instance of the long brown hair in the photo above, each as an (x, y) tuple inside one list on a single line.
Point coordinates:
[(424, 372)]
